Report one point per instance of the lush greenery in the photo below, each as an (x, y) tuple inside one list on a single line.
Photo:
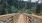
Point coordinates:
[(15, 6)]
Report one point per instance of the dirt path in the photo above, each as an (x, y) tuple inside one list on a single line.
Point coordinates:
[(21, 19)]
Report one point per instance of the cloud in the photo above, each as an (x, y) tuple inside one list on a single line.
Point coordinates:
[(25, 0), (34, 0), (31, 0)]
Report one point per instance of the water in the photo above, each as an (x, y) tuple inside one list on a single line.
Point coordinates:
[(36, 21), (4, 20)]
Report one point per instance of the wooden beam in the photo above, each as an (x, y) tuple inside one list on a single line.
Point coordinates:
[(10, 21), (37, 17), (5, 16)]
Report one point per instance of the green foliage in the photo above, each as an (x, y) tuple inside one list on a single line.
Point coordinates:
[(14, 6), (38, 9), (29, 11), (14, 10), (1, 10)]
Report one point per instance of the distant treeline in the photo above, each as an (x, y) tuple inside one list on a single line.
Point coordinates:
[(14, 6)]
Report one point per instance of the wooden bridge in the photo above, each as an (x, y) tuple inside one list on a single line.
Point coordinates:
[(20, 18)]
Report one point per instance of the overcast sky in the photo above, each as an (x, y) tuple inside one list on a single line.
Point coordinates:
[(34, 0), (31, 0)]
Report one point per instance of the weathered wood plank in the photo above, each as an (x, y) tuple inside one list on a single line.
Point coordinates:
[(20, 18), (10, 21), (37, 17), (5, 16)]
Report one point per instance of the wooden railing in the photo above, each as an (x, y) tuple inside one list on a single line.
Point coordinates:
[(37, 17), (25, 18), (2, 17)]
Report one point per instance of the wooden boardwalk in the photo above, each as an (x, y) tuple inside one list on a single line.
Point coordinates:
[(20, 18)]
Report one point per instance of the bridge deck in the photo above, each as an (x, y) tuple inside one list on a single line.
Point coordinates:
[(20, 18)]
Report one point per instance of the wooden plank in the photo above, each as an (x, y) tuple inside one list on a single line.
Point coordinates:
[(5, 16), (10, 21), (37, 17), (28, 18), (19, 19)]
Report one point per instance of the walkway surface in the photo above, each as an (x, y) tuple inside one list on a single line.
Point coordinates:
[(21, 19)]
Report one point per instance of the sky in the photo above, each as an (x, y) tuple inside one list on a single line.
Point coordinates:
[(34, 0), (31, 0)]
